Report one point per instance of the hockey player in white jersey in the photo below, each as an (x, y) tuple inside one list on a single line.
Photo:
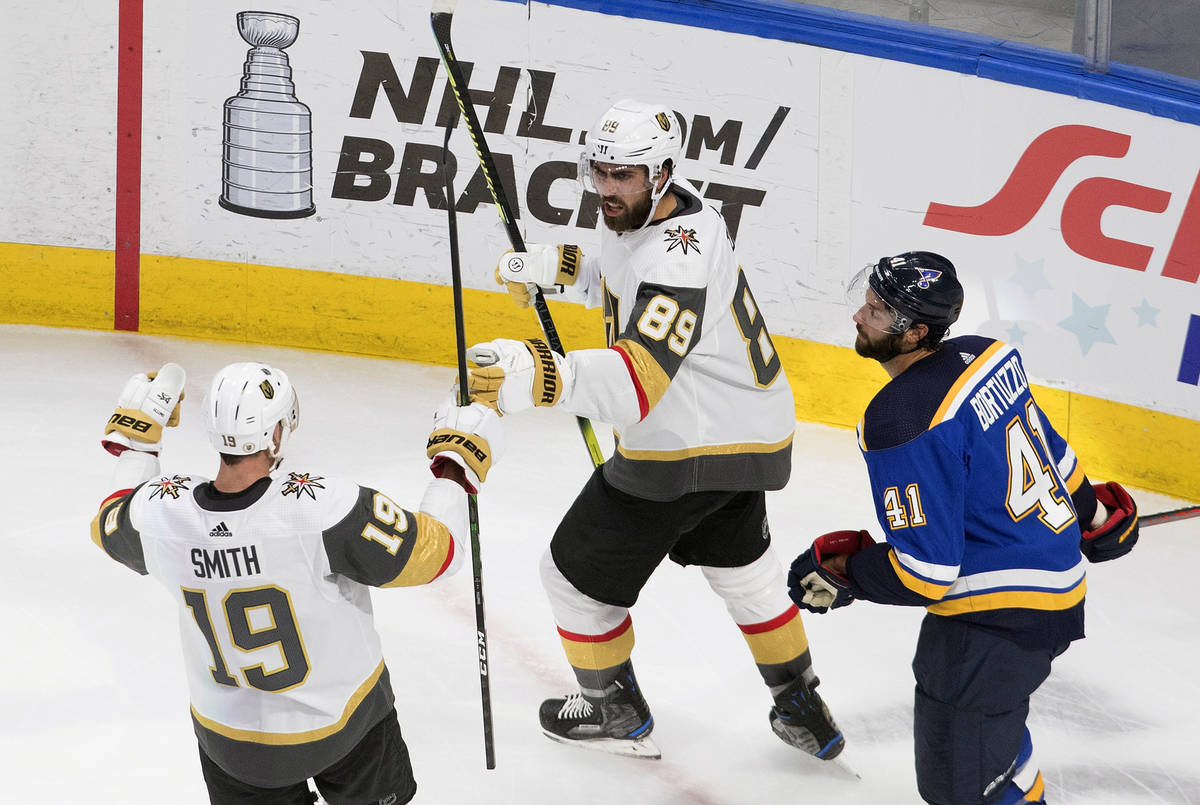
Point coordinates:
[(271, 570), (704, 418)]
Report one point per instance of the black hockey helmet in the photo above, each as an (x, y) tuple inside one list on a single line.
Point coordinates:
[(918, 287)]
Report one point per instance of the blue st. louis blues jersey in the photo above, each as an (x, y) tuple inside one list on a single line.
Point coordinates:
[(972, 486)]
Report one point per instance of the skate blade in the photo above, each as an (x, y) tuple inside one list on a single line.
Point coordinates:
[(844, 766), (644, 748)]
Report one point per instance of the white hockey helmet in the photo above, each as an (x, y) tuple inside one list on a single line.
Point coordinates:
[(244, 403), (633, 133)]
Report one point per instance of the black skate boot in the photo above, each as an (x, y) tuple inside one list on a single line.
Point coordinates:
[(619, 722), (801, 719)]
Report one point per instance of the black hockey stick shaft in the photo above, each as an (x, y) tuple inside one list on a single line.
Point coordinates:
[(464, 398), (441, 17), (1158, 518)]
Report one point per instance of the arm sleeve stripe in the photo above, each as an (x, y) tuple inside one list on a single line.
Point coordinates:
[(120, 493), (97, 535), (1075, 479), (430, 555), (643, 403), (650, 378), (449, 559), (916, 583)]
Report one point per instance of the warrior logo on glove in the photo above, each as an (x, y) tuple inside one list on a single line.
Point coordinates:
[(547, 378)]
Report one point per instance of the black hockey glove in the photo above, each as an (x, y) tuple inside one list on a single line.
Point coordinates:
[(1117, 535), (817, 588)]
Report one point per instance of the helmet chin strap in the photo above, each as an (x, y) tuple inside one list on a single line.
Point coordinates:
[(275, 452), (656, 195)]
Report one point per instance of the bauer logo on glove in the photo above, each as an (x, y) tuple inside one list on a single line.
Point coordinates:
[(460, 440), (127, 423), (148, 403), (469, 436)]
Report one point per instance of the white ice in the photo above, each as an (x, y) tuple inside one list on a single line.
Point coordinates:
[(94, 704)]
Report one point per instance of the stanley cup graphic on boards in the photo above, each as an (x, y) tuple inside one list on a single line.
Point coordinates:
[(267, 155)]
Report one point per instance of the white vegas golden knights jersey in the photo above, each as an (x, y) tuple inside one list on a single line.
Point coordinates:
[(284, 665), (710, 407)]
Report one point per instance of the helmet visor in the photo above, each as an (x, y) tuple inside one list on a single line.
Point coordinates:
[(870, 308), (612, 179)]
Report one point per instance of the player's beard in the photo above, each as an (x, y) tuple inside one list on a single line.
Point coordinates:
[(882, 348), (630, 217)]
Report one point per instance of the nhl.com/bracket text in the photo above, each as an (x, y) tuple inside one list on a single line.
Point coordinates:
[(372, 169)]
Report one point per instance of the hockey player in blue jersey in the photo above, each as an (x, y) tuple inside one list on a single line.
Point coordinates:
[(987, 517)]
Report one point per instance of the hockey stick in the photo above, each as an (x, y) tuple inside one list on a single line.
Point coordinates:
[(441, 17), (1158, 518), (464, 398)]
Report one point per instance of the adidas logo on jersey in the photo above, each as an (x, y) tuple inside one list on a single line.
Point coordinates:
[(966, 357), (221, 530)]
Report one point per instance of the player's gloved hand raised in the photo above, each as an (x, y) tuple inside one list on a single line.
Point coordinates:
[(547, 267), (468, 436), (1116, 535), (812, 584), (513, 375), (148, 403)]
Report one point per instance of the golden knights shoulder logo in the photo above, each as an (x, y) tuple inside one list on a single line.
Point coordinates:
[(172, 486), (300, 484), (682, 239)]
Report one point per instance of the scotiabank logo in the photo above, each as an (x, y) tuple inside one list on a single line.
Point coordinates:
[(1036, 173)]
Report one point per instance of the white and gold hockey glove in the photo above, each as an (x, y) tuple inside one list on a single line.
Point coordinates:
[(550, 268), (469, 436), (517, 375), (148, 403)]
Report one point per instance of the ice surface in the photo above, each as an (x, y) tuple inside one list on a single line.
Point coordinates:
[(94, 703)]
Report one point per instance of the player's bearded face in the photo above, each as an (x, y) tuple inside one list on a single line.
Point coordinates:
[(877, 344), (624, 192), (622, 213)]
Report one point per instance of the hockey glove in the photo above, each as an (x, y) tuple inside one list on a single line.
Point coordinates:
[(547, 267), (1118, 533), (469, 436), (148, 402), (516, 375), (815, 587)]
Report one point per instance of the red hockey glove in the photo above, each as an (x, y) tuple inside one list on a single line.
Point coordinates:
[(1117, 535), (815, 587)]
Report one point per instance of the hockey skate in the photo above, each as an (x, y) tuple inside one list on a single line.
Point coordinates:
[(618, 723), (801, 719)]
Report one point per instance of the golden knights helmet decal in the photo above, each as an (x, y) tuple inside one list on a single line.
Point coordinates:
[(244, 404), (634, 133)]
